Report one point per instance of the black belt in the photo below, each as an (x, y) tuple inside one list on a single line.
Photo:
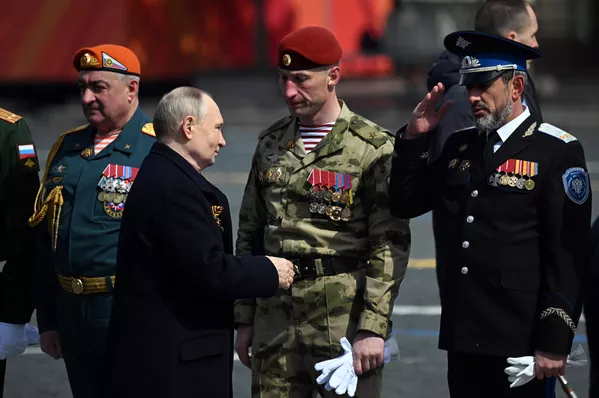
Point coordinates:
[(308, 268)]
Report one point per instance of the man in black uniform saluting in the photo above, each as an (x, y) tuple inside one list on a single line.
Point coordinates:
[(513, 199)]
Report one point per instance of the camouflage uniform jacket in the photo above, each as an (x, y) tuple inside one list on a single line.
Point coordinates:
[(275, 218)]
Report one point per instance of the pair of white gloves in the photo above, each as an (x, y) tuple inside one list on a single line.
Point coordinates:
[(14, 339), (339, 374), (522, 369)]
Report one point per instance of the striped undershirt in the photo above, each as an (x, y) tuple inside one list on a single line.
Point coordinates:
[(102, 141), (313, 134)]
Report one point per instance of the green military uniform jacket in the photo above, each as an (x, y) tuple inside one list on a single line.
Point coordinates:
[(18, 184), (80, 229), (276, 219)]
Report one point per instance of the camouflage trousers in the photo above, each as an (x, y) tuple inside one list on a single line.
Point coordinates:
[(302, 326)]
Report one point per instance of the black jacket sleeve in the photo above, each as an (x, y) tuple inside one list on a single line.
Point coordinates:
[(564, 225), (413, 181), (19, 182), (198, 254)]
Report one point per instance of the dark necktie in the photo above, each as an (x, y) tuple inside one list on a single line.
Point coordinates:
[(492, 139)]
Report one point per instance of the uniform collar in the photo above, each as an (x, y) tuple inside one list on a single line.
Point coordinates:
[(506, 130)]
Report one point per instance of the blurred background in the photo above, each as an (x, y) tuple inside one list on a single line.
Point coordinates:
[(228, 48)]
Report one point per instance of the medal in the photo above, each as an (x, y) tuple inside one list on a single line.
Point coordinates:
[(336, 213), (328, 196), (321, 209), (345, 214), (465, 164), (313, 207), (493, 180), (520, 183), (102, 196), (453, 163), (504, 180), (118, 197), (344, 198), (110, 197), (529, 185), (336, 197), (512, 181), (328, 210)]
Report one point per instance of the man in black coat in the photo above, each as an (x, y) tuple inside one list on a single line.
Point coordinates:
[(513, 19), (591, 308), (513, 200), (171, 327)]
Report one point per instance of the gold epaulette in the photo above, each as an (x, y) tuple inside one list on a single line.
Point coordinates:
[(54, 197), (148, 129), (9, 116)]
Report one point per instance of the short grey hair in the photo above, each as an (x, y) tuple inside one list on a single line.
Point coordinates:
[(128, 78), (509, 75), (176, 106)]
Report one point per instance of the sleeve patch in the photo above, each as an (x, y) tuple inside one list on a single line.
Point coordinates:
[(28, 158), (576, 184), (558, 133)]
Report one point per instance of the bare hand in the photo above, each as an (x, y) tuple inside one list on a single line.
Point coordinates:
[(50, 343), (424, 118), (284, 269), (549, 365), (368, 350), (243, 342)]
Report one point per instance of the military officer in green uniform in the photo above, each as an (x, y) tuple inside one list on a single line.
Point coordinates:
[(78, 212), (317, 194), (18, 183)]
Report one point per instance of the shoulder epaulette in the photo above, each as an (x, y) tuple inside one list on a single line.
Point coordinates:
[(558, 133), (148, 129), (369, 133), (9, 116), (279, 124)]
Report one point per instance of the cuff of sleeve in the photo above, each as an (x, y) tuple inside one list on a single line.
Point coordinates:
[(374, 323), (412, 152), (554, 336), (244, 312)]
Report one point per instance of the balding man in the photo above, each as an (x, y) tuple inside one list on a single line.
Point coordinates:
[(80, 205), (172, 326)]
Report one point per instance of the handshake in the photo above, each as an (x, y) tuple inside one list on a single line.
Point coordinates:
[(285, 270)]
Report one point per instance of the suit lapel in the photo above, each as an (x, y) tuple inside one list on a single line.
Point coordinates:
[(519, 140)]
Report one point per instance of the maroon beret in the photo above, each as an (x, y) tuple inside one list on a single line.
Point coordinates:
[(308, 48)]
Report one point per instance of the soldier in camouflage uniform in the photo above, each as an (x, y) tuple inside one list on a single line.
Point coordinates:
[(327, 210)]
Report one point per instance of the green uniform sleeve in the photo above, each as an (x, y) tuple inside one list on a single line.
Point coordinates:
[(250, 235), (390, 246), (19, 182)]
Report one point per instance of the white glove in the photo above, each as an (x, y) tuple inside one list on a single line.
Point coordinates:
[(13, 340), (522, 369), (339, 373), (32, 334)]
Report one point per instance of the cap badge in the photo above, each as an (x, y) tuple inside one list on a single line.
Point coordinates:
[(286, 60), (87, 60), (470, 62), (110, 62), (462, 43)]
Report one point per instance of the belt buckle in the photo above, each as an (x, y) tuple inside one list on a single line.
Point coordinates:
[(77, 285)]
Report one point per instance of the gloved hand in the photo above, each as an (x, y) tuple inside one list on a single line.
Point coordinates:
[(522, 369), (339, 373), (32, 334), (13, 340)]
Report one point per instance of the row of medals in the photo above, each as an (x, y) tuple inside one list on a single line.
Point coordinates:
[(119, 196), (512, 180), (331, 202)]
